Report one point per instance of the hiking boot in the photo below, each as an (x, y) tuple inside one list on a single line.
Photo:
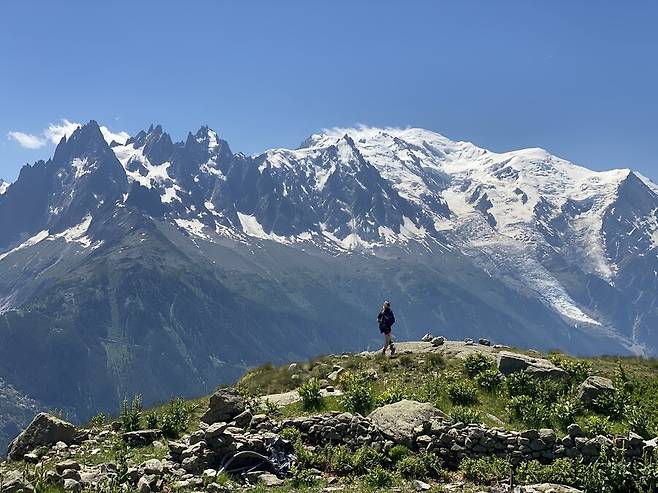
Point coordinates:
[(392, 349)]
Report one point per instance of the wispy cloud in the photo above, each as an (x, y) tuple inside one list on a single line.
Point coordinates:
[(54, 132), (28, 141)]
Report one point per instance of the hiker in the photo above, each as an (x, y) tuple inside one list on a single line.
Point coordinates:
[(386, 320)]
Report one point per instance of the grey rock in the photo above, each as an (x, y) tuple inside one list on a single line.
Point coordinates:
[(60, 467), (72, 485), (509, 363), (399, 420), (243, 419), (13, 482), (484, 342), (574, 430), (153, 467), (593, 387), (268, 479), (45, 429), (438, 341), (141, 438), (224, 405), (427, 338)]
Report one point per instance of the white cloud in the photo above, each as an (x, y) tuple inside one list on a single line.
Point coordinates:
[(28, 141), (55, 131), (120, 137)]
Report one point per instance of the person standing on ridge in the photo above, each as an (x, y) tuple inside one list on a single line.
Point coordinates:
[(386, 320)]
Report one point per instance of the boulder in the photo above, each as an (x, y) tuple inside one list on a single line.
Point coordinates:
[(547, 488), (484, 342), (593, 387), (513, 362), (141, 438), (399, 420), (427, 338), (224, 405), (45, 429), (14, 482), (438, 341)]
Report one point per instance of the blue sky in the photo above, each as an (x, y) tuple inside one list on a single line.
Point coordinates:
[(579, 78)]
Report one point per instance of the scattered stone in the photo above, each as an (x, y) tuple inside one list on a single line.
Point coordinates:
[(293, 367), (399, 421), (438, 341), (13, 482), (468, 341), (421, 485), (60, 467), (153, 467), (268, 479), (224, 405), (484, 342), (141, 438), (593, 387), (45, 429), (574, 430), (512, 362), (243, 419), (335, 375), (72, 485), (427, 338)]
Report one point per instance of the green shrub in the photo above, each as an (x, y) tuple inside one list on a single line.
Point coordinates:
[(131, 414), (291, 434), (596, 425), (486, 470), (489, 379), (311, 395), (357, 394), (175, 419), (398, 452), (339, 459), (366, 458), (520, 383), (434, 361), (98, 421), (462, 393), (578, 370), (565, 410), (613, 473), (612, 404), (561, 471), (640, 421), (151, 420), (421, 466), (301, 478), (390, 396), (378, 478), (465, 415), (531, 412), (475, 363)]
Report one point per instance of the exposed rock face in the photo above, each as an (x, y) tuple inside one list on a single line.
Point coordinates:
[(224, 405), (593, 387), (399, 420), (14, 482), (512, 362), (45, 429)]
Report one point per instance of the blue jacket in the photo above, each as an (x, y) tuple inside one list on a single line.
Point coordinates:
[(386, 319)]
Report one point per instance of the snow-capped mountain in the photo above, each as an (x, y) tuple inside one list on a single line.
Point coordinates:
[(4, 185), (184, 262)]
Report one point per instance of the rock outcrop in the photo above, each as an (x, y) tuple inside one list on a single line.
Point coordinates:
[(513, 362), (45, 429), (593, 387), (224, 405), (398, 421)]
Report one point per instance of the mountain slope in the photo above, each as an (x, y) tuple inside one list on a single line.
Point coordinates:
[(166, 267)]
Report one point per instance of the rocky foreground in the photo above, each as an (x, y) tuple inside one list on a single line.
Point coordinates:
[(234, 445)]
